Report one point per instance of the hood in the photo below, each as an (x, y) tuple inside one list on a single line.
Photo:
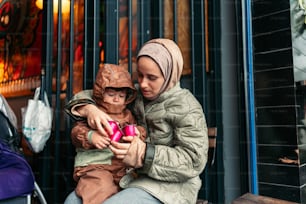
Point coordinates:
[(115, 76)]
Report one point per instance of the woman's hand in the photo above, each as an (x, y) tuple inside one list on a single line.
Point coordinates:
[(131, 152), (96, 119), (119, 149)]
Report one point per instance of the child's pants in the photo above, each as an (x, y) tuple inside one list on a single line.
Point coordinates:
[(99, 183)]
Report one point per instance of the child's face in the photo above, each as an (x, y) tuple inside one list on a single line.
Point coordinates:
[(114, 96)]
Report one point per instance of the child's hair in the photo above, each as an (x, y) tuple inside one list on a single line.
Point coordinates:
[(117, 89)]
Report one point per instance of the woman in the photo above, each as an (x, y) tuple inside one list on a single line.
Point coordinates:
[(169, 162)]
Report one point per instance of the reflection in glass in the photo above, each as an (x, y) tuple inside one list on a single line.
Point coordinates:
[(298, 38)]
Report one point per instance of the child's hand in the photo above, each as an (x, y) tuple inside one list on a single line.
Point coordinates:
[(137, 132), (99, 141)]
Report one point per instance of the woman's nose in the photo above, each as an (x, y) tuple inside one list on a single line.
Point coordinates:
[(142, 83)]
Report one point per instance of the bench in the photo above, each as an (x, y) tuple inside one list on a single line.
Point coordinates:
[(212, 141)]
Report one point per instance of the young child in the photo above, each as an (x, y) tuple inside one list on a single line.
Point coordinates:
[(97, 172)]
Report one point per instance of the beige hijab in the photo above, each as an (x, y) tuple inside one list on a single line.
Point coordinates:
[(168, 56)]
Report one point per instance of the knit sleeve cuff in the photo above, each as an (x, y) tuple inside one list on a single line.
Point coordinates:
[(89, 136)]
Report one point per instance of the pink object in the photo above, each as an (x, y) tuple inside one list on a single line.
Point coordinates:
[(129, 130), (116, 136), (114, 126), (117, 133)]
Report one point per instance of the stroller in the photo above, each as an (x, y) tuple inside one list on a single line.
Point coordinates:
[(17, 182)]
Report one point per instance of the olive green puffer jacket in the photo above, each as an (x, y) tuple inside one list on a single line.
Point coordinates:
[(177, 145)]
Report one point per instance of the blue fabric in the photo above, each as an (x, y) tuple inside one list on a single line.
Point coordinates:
[(72, 198), (126, 196), (132, 196), (16, 177)]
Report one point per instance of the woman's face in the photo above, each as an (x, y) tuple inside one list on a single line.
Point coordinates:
[(150, 77)]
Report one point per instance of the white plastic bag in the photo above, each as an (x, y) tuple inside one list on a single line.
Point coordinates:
[(37, 121)]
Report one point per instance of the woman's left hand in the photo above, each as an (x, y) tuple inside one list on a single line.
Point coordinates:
[(120, 149)]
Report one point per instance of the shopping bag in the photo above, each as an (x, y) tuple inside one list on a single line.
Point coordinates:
[(37, 121)]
